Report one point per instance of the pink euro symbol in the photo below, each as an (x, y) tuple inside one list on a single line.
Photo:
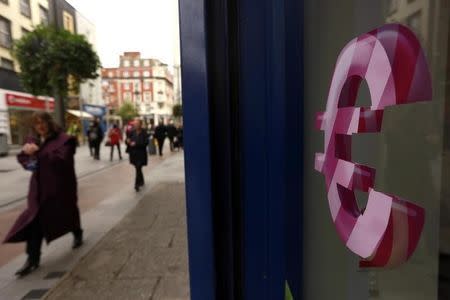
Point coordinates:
[(390, 59)]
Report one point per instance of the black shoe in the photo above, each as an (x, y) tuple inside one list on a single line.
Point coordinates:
[(137, 188), (77, 240), (28, 267)]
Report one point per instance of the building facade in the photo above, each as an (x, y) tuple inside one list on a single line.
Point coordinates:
[(147, 83), (91, 90)]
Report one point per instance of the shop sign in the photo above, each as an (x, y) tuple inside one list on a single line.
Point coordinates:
[(390, 59), (98, 111), (32, 103)]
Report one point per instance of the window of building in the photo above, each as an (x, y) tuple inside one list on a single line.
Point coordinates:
[(148, 97), (7, 64), (146, 63), (146, 74), (126, 74), (137, 63), (25, 8), (5, 33), (68, 22), (110, 74), (161, 105), (127, 96), (126, 86), (25, 31), (126, 63), (146, 85), (43, 15), (136, 74), (415, 23)]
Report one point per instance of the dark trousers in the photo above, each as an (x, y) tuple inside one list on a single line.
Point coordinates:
[(96, 150), (35, 237), (118, 149), (139, 181), (171, 143), (160, 146)]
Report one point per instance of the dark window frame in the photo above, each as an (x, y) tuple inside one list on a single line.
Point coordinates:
[(42, 11), (9, 45), (9, 61), (27, 12)]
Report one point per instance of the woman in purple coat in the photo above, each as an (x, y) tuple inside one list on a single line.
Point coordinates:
[(52, 197)]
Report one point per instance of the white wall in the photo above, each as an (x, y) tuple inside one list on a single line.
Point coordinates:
[(91, 90)]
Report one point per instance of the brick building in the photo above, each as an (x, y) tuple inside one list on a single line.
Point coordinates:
[(147, 83)]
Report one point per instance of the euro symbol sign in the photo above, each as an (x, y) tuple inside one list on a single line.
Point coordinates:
[(392, 62)]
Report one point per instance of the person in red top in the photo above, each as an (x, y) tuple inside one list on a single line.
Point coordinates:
[(115, 137)]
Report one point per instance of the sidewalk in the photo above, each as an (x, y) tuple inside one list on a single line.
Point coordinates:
[(145, 255), (105, 201)]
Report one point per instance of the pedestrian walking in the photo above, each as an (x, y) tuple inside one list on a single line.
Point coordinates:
[(137, 142), (180, 137), (160, 135), (52, 209), (171, 134), (115, 138), (95, 136)]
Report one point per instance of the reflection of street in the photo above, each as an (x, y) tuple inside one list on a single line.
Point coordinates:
[(105, 197)]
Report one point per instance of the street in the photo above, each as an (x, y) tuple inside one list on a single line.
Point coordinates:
[(106, 195)]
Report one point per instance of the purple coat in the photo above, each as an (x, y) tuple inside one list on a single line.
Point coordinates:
[(52, 193)]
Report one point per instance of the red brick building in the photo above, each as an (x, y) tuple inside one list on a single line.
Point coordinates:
[(147, 83)]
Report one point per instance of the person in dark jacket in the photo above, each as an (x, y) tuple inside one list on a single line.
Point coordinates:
[(171, 134), (52, 209), (160, 135), (95, 138), (137, 143)]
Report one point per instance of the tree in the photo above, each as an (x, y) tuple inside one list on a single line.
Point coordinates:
[(177, 111), (127, 111), (53, 62)]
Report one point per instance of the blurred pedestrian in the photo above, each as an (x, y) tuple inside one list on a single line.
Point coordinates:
[(180, 136), (160, 135), (74, 131), (171, 134), (52, 209), (137, 142), (95, 136), (115, 138)]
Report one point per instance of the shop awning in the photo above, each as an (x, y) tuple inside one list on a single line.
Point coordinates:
[(80, 114)]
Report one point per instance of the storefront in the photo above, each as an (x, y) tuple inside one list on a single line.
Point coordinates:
[(268, 86), (16, 110)]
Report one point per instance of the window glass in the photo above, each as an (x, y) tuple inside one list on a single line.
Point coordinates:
[(411, 154), (5, 33), (25, 8), (7, 64), (43, 15)]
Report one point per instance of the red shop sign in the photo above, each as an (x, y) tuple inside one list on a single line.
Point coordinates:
[(33, 103)]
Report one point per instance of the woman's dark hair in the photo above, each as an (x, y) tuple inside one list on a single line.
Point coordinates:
[(47, 118)]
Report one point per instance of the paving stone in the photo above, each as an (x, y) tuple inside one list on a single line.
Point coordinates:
[(173, 288), (79, 289)]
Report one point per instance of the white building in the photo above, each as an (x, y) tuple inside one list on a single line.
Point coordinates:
[(91, 90)]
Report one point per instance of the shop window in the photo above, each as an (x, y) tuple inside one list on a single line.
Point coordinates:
[(25, 8), (43, 15), (5, 33), (7, 64)]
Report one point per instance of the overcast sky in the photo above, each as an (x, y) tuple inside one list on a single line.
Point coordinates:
[(148, 26)]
